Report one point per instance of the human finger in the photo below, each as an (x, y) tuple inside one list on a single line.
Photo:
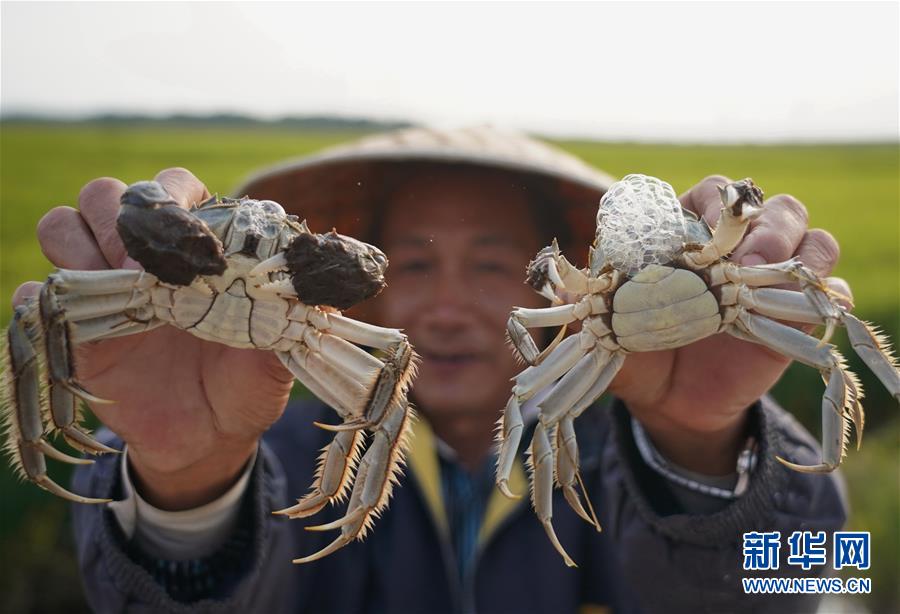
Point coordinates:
[(183, 186), (99, 203), (775, 235), (67, 241), (840, 291), (28, 290), (704, 199), (819, 251)]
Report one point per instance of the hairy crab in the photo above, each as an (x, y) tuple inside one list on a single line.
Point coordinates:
[(239, 272), (658, 279)]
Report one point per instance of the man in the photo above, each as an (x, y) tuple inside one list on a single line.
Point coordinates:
[(459, 214)]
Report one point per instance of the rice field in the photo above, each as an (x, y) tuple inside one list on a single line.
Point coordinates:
[(851, 190)]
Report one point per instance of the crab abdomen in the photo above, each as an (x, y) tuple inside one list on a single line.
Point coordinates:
[(232, 315), (663, 308)]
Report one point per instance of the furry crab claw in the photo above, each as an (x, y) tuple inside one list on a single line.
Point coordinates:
[(667, 286), (244, 274)]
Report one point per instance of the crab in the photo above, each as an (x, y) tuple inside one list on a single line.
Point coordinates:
[(660, 279), (239, 272)]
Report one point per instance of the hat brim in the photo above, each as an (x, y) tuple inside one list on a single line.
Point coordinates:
[(340, 188)]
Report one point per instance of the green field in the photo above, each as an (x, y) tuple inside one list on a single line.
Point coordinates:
[(851, 190)]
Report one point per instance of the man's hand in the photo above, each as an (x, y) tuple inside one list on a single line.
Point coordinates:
[(191, 411), (693, 401)]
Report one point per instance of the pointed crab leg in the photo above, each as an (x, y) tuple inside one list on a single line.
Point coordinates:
[(73, 307), (362, 333), (817, 292), (560, 360), (508, 438), (376, 475), (875, 351), (351, 393), (567, 457), (527, 383), (567, 470), (573, 385), (600, 384), (400, 362), (842, 392), (293, 362), (22, 411), (333, 475), (338, 460), (64, 387), (332, 365), (541, 463)]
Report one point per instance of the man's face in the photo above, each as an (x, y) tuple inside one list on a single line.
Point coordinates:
[(458, 244)]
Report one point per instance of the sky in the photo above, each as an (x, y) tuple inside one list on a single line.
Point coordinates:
[(806, 71)]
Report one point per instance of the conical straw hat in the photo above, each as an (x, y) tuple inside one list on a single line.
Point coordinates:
[(340, 187)]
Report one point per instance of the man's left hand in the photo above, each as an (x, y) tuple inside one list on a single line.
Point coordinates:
[(693, 400)]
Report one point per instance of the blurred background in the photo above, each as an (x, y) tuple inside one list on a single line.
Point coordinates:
[(801, 97)]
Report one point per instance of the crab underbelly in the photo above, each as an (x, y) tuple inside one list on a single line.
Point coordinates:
[(663, 308), (232, 318)]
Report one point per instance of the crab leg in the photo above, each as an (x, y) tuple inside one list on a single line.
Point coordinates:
[(362, 333), (573, 385), (874, 349), (389, 385), (791, 271), (869, 345), (842, 392), (600, 384), (337, 462), (508, 438), (93, 283), (329, 366), (529, 382), (401, 360), (541, 463), (376, 475), (567, 460), (63, 385), (22, 410), (557, 363), (115, 325), (781, 304), (73, 307), (566, 445), (333, 475), (293, 362), (356, 362), (521, 319), (567, 470)]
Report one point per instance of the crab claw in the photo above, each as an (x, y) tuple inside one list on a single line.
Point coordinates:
[(543, 273), (742, 199)]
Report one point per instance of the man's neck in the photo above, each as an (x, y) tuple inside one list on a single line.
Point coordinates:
[(470, 435)]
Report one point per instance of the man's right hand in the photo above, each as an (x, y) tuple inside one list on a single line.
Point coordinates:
[(191, 411)]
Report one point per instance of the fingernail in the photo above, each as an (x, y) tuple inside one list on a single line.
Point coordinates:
[(753, 260)]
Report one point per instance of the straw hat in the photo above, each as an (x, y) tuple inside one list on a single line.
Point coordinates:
[(340, 187)]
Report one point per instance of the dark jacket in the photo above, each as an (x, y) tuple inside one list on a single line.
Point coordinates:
[(650, 557)]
